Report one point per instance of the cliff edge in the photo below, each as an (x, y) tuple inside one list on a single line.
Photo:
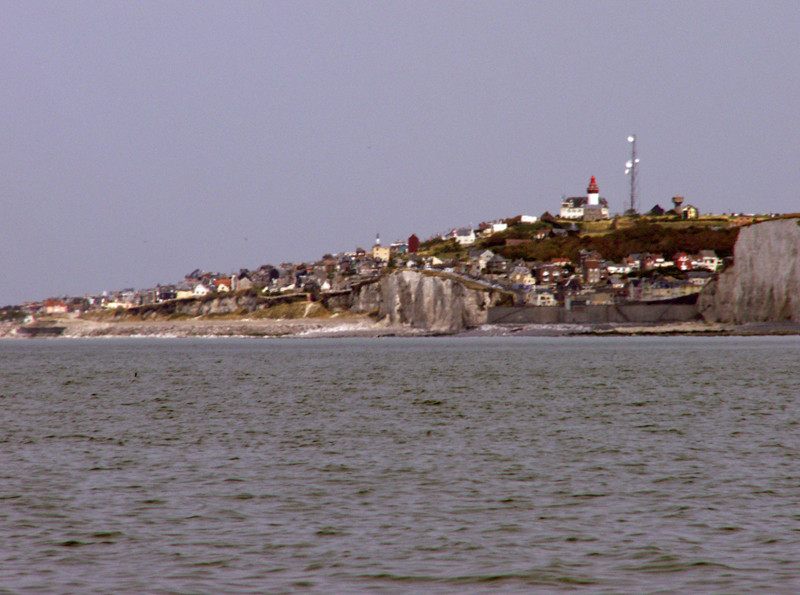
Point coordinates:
[(764, 282), (434, 302)]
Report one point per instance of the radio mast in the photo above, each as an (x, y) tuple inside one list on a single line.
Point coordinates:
[(631, 167)]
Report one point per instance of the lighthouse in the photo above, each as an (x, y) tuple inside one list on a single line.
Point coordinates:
[(592, 193), (590, 207)]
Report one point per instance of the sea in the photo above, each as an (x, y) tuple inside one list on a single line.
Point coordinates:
[(400, 465)]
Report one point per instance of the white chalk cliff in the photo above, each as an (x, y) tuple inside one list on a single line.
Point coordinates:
[(764, 282), (435, 303)]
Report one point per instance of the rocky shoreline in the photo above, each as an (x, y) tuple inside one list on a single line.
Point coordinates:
[(366, 326), (350, 326)]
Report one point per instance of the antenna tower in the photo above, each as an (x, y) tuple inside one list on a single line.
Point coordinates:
[(631, 167)]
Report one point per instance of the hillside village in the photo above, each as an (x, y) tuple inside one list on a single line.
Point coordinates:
[(570, 259)]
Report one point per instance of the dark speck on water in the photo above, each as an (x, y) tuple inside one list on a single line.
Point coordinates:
[(438, 465)]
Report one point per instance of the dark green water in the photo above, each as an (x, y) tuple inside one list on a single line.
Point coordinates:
[(400, 465)]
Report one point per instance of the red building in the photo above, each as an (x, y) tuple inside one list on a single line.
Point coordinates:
[(683, 261)]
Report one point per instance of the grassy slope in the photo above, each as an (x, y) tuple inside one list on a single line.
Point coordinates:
[(613, 239)]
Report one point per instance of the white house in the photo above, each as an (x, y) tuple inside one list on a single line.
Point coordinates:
[(543, 298), (589, 208), (201, 289), (707, 259), (464, 236), (484, 258)]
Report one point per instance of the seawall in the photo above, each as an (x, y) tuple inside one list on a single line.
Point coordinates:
[(618, 314)]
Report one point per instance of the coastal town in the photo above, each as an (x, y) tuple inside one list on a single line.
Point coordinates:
[(569, 259)]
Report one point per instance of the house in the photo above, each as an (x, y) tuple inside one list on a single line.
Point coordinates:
[(707, 259), (433, 261), (543, 297), (521, 275), (398, 247), (165, 293), (684, 211), (413, 244), (184, 291), (222, 285), (683, 261), (381, 253), (591, 271), (619, 269), (561, 261), (130, 296), (53, 306), (200, 290), (114, 304), (330, 263), (497, 265), (464, 236), (483, 258), (265, 275), (588, 208), (548, 273), (242, 281), (690, 212), (541, 234), (649, 262), (367, 267), (616, 283)]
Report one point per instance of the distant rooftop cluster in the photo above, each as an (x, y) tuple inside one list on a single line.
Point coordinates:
[(536, 281)]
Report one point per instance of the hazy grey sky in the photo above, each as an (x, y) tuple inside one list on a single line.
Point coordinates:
[(141, 140)]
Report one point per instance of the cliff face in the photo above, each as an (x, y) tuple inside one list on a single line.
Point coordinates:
[(764, 282), (435, 303), (225, 304)]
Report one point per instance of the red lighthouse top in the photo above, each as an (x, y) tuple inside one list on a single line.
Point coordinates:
[(592, 189)]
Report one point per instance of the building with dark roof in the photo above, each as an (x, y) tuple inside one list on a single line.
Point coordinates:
[(587, 208)]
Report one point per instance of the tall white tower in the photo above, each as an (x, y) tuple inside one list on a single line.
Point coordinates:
[(593, 193)]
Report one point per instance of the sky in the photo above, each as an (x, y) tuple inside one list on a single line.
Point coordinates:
[(142, 140)]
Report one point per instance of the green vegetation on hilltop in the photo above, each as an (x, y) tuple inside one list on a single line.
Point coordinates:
[(442, 248), (613, 239), (614, 245)]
